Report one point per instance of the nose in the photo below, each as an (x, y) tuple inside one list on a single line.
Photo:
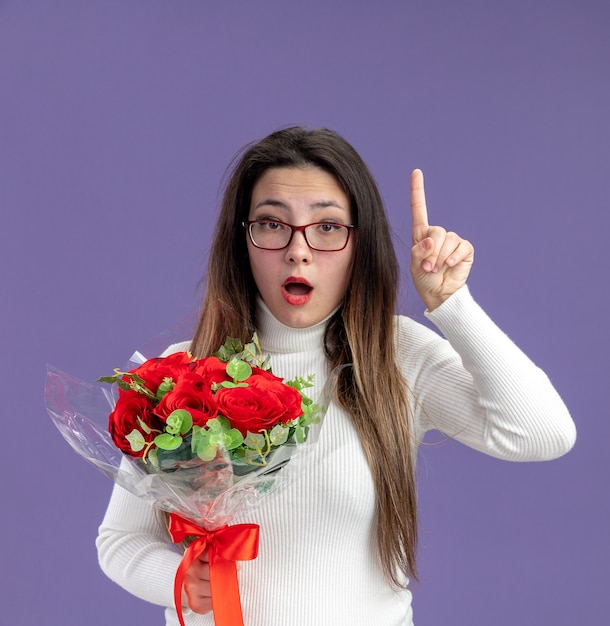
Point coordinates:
[(298, 251)]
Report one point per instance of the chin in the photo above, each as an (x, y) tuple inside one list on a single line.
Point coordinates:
[(296, 322), (298, 319)]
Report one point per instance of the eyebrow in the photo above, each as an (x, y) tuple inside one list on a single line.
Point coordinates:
[(321, 204)]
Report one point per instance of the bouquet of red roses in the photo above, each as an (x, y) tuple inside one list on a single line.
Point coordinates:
[(173, 409), (201, 438)]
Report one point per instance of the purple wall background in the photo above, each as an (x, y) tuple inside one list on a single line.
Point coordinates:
[(117, 119)]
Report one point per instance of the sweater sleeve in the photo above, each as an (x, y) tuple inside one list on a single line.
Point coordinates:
[(478, 387), (134, 549)]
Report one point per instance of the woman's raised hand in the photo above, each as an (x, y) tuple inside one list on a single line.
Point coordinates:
[(440, 260)]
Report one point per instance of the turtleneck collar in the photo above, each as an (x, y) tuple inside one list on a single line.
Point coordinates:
[(276, 337)]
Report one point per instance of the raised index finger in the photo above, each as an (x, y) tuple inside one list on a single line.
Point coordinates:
[(419, 212)]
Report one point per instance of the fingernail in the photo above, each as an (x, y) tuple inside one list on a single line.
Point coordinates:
[(427, 266)]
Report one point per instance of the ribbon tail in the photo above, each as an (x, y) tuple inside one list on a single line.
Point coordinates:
[(226, 601), (192, 552)]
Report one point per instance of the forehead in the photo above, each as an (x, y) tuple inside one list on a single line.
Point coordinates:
[(294, 183)]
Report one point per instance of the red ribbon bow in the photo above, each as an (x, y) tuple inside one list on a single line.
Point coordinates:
[(225, 546)]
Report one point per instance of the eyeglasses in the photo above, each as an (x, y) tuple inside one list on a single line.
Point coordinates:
[(274, 235)]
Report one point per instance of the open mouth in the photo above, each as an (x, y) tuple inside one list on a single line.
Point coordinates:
[(297, 289)]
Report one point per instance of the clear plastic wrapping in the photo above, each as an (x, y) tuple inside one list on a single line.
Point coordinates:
[(209, 492)]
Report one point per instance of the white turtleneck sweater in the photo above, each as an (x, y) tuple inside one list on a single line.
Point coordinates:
[(317, 561)]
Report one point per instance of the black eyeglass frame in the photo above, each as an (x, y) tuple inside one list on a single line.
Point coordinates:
[(293, 229)]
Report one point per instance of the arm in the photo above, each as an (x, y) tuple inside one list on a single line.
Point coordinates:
[(134, 549), (478, 387)]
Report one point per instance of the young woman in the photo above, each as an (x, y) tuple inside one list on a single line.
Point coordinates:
[(303, 255)]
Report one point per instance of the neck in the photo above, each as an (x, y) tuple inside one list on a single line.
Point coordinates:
[(277, 337)]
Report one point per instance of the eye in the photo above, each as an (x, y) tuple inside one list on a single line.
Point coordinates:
[(270, 225), (328, 228)]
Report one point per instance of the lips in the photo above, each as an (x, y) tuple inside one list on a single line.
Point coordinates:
[(296, 290)]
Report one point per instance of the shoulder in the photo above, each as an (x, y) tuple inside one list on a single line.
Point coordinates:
[(457, 315), (182, 346), (409, 333), (418, 348)]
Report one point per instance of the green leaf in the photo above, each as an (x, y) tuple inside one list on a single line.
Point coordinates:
[(135, 382), (216, 438), (238, 370), (253, 457), (310, 415), (179, 421), (233, 439), (200, 438), (301, 434), (207, 453), (136, 440), (278, 435), (165, 441), (144, 426), (201, 444), (219, 424), (152, 457), (238, 454), (227, 384), (230, 348), (123, 385), (251, 352), (166, 386), (300, 383), (134, 377), (254, 441), (107, 379)]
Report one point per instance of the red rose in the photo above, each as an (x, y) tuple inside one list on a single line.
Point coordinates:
[(266, 374), (212, 369), (130, 406), (153, 371), (263, 404), (193, 393)]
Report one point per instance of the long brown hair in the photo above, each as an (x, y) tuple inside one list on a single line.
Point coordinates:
[(361, 332)]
